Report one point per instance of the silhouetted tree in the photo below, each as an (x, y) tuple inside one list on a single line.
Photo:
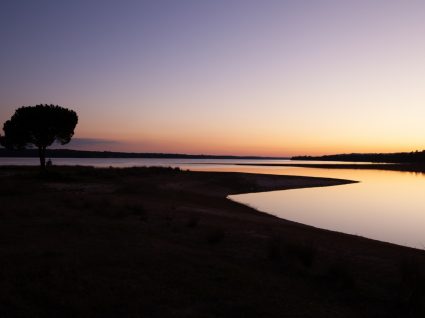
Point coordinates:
[(39, 125)]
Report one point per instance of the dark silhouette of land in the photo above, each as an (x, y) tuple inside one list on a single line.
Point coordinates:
[(398, 157), (407, 167), (161, 242), (68, 153)]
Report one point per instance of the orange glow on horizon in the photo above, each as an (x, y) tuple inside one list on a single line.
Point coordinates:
[(284, 78), (271, 147)]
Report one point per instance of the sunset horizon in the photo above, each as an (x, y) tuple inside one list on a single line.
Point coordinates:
[(280, 78), (89, 144)]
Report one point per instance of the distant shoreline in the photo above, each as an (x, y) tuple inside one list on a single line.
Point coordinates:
[(69, 153), (406, 167), (395, 157)]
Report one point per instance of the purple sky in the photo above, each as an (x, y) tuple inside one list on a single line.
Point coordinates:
[(234, 77)]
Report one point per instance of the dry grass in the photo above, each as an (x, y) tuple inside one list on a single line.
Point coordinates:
[(85, 242)]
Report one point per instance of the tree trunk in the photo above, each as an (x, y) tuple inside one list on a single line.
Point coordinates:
[(42, 155)]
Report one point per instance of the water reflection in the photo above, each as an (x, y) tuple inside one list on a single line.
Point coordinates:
[(385, 205)]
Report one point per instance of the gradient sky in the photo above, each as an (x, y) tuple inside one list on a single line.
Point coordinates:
[(240, 77)]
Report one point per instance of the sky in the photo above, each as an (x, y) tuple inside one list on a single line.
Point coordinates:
[(242, 77)]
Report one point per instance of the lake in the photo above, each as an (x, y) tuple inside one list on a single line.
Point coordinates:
[(385, 205)]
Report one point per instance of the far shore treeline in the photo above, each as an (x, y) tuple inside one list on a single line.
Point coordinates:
[(397, 157), (68, 153)]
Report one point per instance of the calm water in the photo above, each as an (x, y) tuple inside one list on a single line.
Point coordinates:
[(385, 205)]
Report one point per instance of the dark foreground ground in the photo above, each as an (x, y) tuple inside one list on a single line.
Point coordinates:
[(85, 242)]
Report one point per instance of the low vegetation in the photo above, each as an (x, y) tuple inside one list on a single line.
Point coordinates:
[(158, 242), (396, 157)]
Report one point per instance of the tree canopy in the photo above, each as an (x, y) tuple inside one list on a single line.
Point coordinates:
[(39, 126)]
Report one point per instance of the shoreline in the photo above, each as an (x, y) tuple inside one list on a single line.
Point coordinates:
[(174, 245)]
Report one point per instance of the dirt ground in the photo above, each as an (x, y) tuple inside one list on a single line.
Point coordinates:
[(160, 242)]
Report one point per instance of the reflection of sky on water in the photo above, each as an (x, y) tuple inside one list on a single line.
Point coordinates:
[(385, 205)]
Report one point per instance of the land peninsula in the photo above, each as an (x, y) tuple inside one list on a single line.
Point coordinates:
[(162, 242)]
